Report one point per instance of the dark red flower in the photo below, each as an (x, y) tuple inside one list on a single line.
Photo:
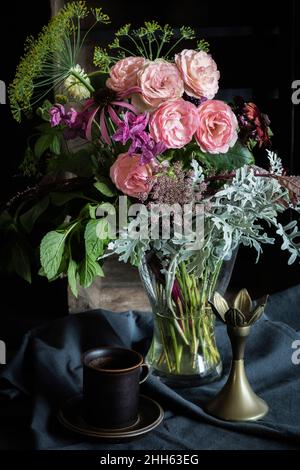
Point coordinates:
[(253, 125)]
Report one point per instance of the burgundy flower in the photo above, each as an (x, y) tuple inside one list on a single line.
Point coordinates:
[(195, 101), (253, 125)]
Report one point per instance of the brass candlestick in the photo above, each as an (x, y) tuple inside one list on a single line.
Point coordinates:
[(237, 401)]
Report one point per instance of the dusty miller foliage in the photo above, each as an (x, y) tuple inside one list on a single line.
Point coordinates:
[(240, 213)]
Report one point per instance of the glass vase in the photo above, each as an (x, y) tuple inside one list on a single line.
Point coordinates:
[(183, 351)]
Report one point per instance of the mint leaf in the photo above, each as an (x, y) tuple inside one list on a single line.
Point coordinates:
[(102, 228), (61, 198), (72, 277), (92, 211), (104, 189), (42, 144), (79, 163), (55, 145), (52, 249), (93, 244), (88, 270), (107, 207), (21, 262), (29, 217)]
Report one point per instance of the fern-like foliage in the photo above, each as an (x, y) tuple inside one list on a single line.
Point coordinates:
[(50, 58)]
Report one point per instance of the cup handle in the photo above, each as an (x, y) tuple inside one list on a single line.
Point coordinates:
[(144, 373)]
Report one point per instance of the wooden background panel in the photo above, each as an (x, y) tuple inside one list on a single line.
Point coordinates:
[(118, 291)]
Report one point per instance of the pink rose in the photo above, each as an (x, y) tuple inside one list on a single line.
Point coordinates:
[(123, 74), (218, 126), (174, 123), (199, 73), (159, 81), (130, 176)]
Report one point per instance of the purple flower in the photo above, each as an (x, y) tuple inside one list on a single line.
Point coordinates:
[(77, 124), (57, 114), (75, 121), (151, 150), (133, 128), (71, 117)]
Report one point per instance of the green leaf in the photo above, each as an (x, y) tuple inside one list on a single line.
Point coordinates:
[(102, 228), (29, 218), (88, 270), (21, 262), (55, 145), (52, 249), (6, 221), (84, 212), (239, 155), (93, 244), (43, 111), (61, 198), (42, 144), (41, 272), (79, 163), (235, 158), (46, 128), (72, 277), (104, 189), (107, 207), (92, 211)]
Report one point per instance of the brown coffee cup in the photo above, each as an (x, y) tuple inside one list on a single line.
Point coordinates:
[(111, 382)]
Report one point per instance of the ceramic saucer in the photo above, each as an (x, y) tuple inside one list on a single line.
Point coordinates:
[(150, 415)]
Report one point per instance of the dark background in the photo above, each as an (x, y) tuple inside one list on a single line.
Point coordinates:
[(256, 47)]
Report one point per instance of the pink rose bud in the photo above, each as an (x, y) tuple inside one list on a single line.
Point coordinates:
[(199, 73), (130, 176), (123, 75), (174, 123), (217, 130), (159, 81)]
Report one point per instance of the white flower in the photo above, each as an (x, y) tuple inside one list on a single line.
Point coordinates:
[(74, 86)]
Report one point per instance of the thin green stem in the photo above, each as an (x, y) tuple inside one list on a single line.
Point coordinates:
[(165, 346), (85, 36), (156, 42), (96, 72), (135, 43), (160, 47), (127, 50), (150, 46), (144, 47), (175, 349), (173, 47)]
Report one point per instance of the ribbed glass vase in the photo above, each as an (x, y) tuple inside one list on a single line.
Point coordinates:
[(183, 351)]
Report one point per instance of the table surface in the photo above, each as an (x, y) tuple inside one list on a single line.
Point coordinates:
[(47, 370)]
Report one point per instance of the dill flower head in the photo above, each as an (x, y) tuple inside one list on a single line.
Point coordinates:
[(74, 86), (50, 59)]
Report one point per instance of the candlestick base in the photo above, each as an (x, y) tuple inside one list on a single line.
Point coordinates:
[(237, 401)]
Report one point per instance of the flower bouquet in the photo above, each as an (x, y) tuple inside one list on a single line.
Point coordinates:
[(138, 157)]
